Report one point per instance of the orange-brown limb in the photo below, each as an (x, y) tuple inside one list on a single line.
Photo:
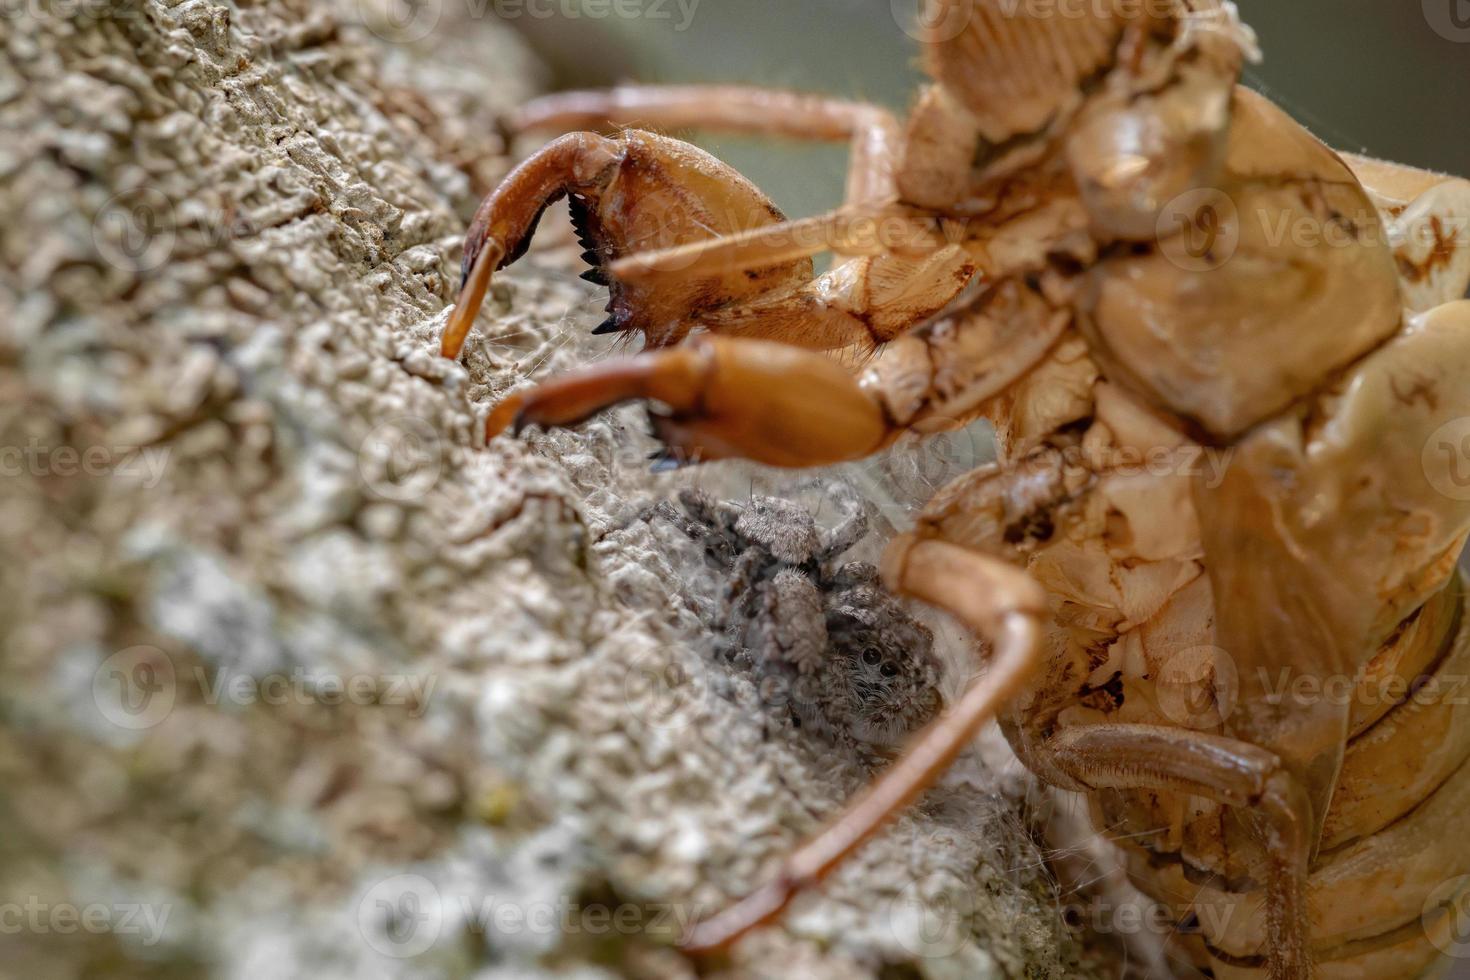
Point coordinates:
[(865, 228), (873, 132), (757, 400), (506, 218), (637, 191), (781, 405), (1234, 773)]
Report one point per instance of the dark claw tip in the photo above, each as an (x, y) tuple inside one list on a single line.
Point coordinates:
[(610, 325)]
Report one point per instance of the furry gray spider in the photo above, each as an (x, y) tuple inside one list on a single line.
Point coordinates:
[(818, 636)]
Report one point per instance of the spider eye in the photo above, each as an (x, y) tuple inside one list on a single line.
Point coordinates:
[(888, 670), (871, 657)]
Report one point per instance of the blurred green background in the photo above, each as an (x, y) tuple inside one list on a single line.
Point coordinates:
[(1390, 78)]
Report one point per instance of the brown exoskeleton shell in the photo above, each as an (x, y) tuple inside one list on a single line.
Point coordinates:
[(1016, 68), (1234, 456)]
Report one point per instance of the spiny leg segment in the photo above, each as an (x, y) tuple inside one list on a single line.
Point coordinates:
[(1128, 757), (670, 228), (506, 218)]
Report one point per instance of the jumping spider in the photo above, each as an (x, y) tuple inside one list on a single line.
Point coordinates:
[(820, 638)]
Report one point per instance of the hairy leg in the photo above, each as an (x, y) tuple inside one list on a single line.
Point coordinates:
[(862, 303), (1228, 771), (866, 228)]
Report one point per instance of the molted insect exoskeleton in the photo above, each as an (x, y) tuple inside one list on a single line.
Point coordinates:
[(1214, 567)]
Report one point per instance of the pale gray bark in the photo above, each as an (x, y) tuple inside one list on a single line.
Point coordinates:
[(230, 235)]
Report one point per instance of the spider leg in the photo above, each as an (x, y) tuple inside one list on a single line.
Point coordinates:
[(851, 529), (872, 132), (1000, 603)]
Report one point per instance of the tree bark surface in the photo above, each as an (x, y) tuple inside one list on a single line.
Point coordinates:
[(299, 679)]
